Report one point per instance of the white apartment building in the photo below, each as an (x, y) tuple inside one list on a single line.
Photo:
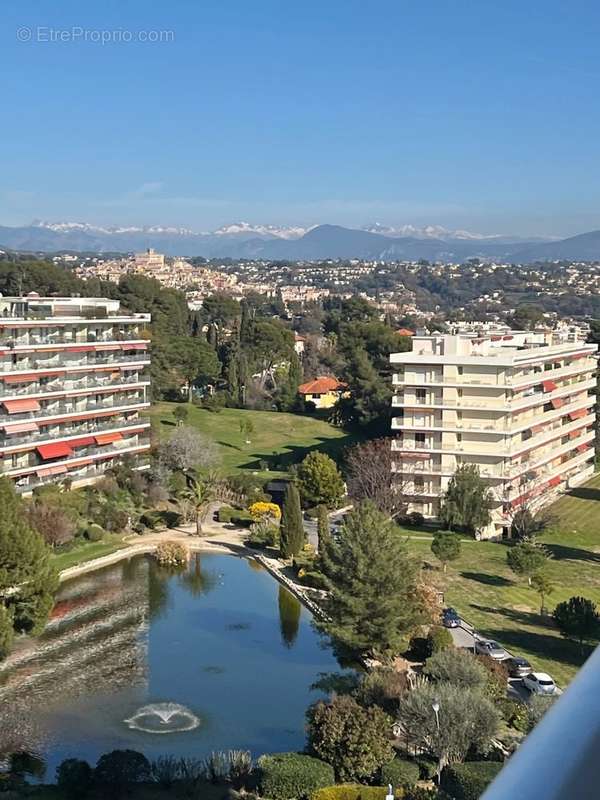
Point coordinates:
[(73, 389), (519, 405)]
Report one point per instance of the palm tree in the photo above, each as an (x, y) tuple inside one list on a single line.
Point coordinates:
[(200, 492)]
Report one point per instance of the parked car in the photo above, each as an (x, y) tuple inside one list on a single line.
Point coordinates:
[(450, 618), (518, 667), (488, 647), (539, 683)]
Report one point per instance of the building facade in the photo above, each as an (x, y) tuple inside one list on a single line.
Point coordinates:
[(73, 385), (519, 405), (324, 392)]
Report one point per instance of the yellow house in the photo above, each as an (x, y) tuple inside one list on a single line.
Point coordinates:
[(324, 391)]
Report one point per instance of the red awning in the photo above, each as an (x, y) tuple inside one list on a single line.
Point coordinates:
[(20, 378), (554, 482), (582, 412), (538, 429), (20, 427), (581, 448), (103, 347), (557, 402), (575, 434), (83, 441), (138, 346), (47, 471), (107, 438), (19, 406), (520, 500), (55, 450), (549, 386)]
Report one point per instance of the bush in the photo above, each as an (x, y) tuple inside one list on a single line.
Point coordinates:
[(469, 781), (225, 513), (312, 579), (354, 791), (263, 534), (497, 677), (172, 554), (292, 775), (74, 777), (242, 519), (439, 639), (400, 772), (260, 510), (427, 768), (119, 769), (152, 520), (415, 518), (94, 533)]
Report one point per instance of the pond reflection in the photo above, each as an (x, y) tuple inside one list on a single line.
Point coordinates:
[(220, 639)]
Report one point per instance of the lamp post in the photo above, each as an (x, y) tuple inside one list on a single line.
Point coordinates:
[(436, 710)]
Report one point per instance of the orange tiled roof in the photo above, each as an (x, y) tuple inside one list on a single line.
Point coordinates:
[(405, 332), (322, 385)]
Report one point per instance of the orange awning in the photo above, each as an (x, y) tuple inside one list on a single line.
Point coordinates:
[(537, 429), (103, 347), (19, 406), (47, 471), (55, 450), (137, 346), (20, 427), (554, 481), (83, 441), (557, 402), (549, 386), (582, 412), (107, 438), (581, 448), (575, 434)]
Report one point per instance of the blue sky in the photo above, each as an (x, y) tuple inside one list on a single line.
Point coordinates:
[(480, 115)]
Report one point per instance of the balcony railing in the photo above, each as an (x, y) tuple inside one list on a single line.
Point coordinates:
[(59, 409), (30, 365), (60, 386), (90, 428), (92, 471), (33, 339), (559, 758)]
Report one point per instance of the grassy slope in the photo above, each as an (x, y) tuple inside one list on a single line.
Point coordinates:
[(480, 585), (86, 551), (279, 439)]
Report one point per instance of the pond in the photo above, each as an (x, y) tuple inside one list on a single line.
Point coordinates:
[(219, 656)]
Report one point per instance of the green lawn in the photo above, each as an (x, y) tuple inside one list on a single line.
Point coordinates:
[(279, 439), (86, 551), (500, 605)]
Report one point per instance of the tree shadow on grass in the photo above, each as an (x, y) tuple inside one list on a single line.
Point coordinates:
[(585, 493), (293, 454), (228, 444), (169, 423), (486, 578), (543, 645), (562, 552)]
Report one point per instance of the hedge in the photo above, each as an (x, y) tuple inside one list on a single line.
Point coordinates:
[(400, 772), (292, 775), (225, 513), (355, 791), (469, 781)]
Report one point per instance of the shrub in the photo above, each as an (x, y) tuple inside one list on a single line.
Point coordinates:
[(94, 533), (260, 510), (400, 772), (420, 793), (263, 534), (439, 639), (469, 781), (427, 767), (292, 775), (354, 791), (225, 513), (415, 518), (312, 579), (240, 767), (152, 520), (165, 770), (119, 769), (242, 519), (216, 766), (458, 667), (172, 554), (74, 777), (497, 677)]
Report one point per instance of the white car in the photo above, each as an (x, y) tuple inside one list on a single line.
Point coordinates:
[(487, 647), (539, 683)]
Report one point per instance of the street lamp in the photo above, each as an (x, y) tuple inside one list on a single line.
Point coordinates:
[(436, 710)]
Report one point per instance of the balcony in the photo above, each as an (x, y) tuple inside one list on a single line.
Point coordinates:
[(91, 472), (31, 365), (61, 386), (95, 452), (88, 428), (65, 409)]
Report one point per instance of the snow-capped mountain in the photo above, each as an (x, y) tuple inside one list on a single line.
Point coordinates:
[(67, 227), (426, 232), (247, 229)]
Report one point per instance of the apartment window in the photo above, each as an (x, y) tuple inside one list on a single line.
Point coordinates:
[(460, 370), (419, 439), (419, 482), (421, 395)]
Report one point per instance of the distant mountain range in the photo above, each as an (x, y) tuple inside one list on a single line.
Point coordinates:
[(295, 243)]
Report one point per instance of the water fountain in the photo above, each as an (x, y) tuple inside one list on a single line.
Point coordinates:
[(163, 718)]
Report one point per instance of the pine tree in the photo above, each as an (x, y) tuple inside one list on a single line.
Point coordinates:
[(292, 529), (25, 564), (373, 602)]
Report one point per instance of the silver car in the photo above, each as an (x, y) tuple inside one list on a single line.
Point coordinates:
[(488, 647), (539, 683)]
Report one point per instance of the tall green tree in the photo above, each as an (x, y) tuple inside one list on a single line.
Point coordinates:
[(467, 501), (374, 603), (194, 360), (25, 570), (323, 530), (526, 559), (445, 547), (578, 618), (291, 529), (543, 586), (319, 480)]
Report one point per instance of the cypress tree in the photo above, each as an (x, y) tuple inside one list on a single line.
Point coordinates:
[(323, 528), (292, 529), (25, 564)]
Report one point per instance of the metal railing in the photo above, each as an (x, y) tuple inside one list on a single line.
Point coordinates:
[(62, 408), (30, 365), (559, 759), (39, 437)]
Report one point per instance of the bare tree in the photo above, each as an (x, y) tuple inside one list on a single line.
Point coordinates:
[(369, 468), (187, 449), (51, 522)]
